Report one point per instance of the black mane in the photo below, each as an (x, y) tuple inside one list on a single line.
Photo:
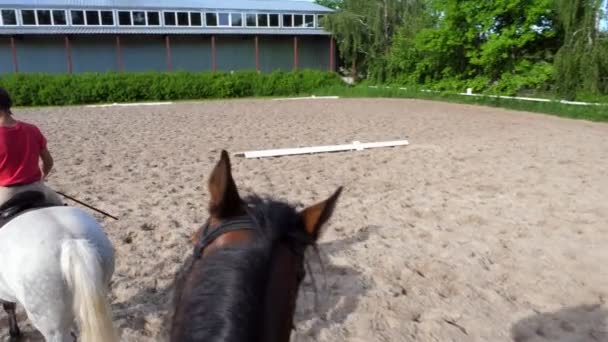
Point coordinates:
[(226, 288)]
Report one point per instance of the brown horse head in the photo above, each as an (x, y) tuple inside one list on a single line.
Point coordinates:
[(242, 281)]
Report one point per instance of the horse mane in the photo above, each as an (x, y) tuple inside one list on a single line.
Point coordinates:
[(214, 286), (224, 288)]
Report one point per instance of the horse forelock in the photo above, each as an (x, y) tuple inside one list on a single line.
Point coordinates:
[(278, 220)]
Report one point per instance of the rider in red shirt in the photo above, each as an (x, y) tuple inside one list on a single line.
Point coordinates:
[(22, 145)]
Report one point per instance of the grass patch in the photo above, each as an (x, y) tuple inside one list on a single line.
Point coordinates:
[(592, 113)]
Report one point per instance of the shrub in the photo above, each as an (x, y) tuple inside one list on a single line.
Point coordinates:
[(47, 89)]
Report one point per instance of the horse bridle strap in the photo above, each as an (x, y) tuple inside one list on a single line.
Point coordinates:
[(242, 223)]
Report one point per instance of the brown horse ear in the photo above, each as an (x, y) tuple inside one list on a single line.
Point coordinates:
[(315, 216), (225, 200)]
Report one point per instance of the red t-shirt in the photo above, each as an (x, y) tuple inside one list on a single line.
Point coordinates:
[(20, 148)]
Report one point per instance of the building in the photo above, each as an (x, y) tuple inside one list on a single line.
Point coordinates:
[(75, 36)]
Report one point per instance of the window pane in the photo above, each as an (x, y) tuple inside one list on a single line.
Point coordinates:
[(153, 18), (274, 20), (224, 19), (182, 19), (309, 20), (9, 17), (59, 18), (251, 19), (28, 16), (92, 18), (170, 19), (195, 19), (320, 20), (77, 17), (236, 19), (139, 18), (44, 17), (287, 20), (107, 18), (211, 19), (298, 20), (124, 18), (262, 20)]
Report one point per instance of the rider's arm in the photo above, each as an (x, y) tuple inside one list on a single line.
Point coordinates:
[(47, 162)]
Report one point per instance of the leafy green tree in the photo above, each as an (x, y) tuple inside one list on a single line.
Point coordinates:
[(364, 30), (582, 62), (333, 4), (507, 45)]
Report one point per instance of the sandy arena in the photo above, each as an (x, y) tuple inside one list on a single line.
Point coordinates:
[(491, 226)]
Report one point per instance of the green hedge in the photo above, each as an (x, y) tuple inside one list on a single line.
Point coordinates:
[(48, 90)]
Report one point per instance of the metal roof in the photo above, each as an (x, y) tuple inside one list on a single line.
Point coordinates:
[(253, 5)]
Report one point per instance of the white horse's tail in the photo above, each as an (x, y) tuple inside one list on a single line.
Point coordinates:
[(81, 267)]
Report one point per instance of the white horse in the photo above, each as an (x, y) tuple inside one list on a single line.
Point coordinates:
[(57, 263)]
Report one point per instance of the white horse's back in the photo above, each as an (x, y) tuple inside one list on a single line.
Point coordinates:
[(57, 263)]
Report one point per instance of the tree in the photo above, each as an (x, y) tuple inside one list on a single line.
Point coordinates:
[(505, 44), (582, 61), (333, 4), (364, 30)]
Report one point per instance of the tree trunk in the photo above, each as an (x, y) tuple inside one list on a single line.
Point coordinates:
[(386, 27)]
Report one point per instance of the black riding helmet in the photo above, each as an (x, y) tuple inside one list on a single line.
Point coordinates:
[(5, 101)]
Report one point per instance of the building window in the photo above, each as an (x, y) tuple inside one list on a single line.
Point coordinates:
[(182, 19), (92, 17), (59, 18), (250, 19), (153, 18), (44, 17), (107, 18), (224, 19), (309, 20), (274, 20), (196, 19), (139, 18), (320, 20), (28, 17), (124, 18), (236, 19), (298, 20), (170, 19), (77, 17), (287, 20), (263, 20), (211, 19), (9, 17)]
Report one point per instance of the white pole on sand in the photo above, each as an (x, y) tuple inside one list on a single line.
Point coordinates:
[(356, 145)]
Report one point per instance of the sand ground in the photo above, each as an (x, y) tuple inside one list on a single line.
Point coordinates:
[(491, 226)]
